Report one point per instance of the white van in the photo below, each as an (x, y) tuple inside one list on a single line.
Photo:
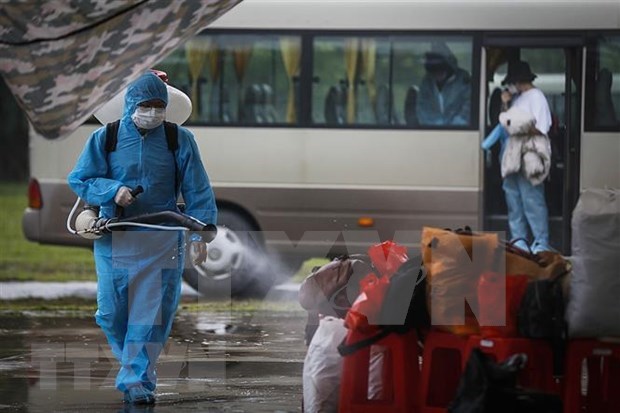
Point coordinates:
[(306, 115)]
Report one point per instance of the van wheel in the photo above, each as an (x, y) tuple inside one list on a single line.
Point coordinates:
[(231, 268)]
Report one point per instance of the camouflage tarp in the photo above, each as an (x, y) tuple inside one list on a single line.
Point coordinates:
[(63, 59)]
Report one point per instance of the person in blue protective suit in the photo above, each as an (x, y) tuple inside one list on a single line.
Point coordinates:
[(526, 202), (139, 271), (445, 90)]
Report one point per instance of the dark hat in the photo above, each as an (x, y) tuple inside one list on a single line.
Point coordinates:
[(519, 71)]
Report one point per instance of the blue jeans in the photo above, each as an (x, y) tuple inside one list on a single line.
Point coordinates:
[(527, 206)]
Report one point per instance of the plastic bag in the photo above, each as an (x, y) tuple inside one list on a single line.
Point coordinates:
[(364, 313), (331, 288), (387, 257), (403, 307), (322, 370), (323, 367), (454, 261), (499, 298)]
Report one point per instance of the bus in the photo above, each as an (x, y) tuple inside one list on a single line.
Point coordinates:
[(309, 119)]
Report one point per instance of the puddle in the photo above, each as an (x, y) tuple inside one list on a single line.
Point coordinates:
[(213, 362)]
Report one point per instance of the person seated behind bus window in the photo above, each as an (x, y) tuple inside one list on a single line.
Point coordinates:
[(445, 90), (604, 112)]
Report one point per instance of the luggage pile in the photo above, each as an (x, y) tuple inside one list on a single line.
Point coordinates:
[(470, 324)]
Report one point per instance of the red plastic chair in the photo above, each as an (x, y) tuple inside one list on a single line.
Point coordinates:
[(443, 361), (399, 378), (602, 392), (538, 372)]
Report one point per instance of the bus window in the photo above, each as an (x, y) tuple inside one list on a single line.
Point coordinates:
[(604, 85), (440, 68), (239, 79), (347, 70), (413, 81), (549, 65)]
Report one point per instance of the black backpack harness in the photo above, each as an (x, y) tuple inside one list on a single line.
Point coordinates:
[(172, 139)]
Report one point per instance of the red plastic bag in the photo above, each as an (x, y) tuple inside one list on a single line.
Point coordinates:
[(497, 299), (364, 313), (387, 257)]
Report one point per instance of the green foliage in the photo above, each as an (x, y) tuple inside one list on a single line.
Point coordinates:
[(27, 261), (545, 60), (609, 53), (307, 267), (243, 306), (74, 305)]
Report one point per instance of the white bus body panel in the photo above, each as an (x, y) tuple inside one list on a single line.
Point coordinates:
[(344, 157), (423, 15)]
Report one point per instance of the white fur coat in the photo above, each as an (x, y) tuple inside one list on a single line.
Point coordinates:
[(527, 150)]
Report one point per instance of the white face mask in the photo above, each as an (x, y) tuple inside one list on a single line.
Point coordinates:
[(148, 118), (512, 88)]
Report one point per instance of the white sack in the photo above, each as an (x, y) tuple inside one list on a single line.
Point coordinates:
[(593, 309), (323, 367)]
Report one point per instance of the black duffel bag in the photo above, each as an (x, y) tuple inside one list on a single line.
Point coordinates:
[(541, 316), (490, 387)]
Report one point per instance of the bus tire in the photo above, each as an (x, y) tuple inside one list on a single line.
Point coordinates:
[(230, 269)]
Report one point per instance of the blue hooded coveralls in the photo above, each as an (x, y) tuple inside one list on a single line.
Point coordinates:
[(139, 270), (448, 106)]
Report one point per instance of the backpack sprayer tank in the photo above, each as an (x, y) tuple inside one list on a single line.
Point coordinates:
[(89, 225), (86, 222)]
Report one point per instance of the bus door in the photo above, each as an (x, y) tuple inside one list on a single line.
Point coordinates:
[(557, 62)]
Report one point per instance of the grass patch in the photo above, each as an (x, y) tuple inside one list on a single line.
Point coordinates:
[(22, 260), (307, 267), (242, 306), (60, 304)]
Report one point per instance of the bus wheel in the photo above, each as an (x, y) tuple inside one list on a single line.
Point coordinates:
[(231, 268)]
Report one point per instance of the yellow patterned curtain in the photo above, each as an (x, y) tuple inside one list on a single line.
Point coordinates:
[(241, 58), (215, 68), (369, 62), (196, 53), (351, 48), (291, 57), (214, 64)]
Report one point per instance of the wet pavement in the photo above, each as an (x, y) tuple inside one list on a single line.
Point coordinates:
[(214, 362)]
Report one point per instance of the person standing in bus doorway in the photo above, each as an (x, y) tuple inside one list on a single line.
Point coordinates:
[(445, 90), (139, 272), (526, 202)]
